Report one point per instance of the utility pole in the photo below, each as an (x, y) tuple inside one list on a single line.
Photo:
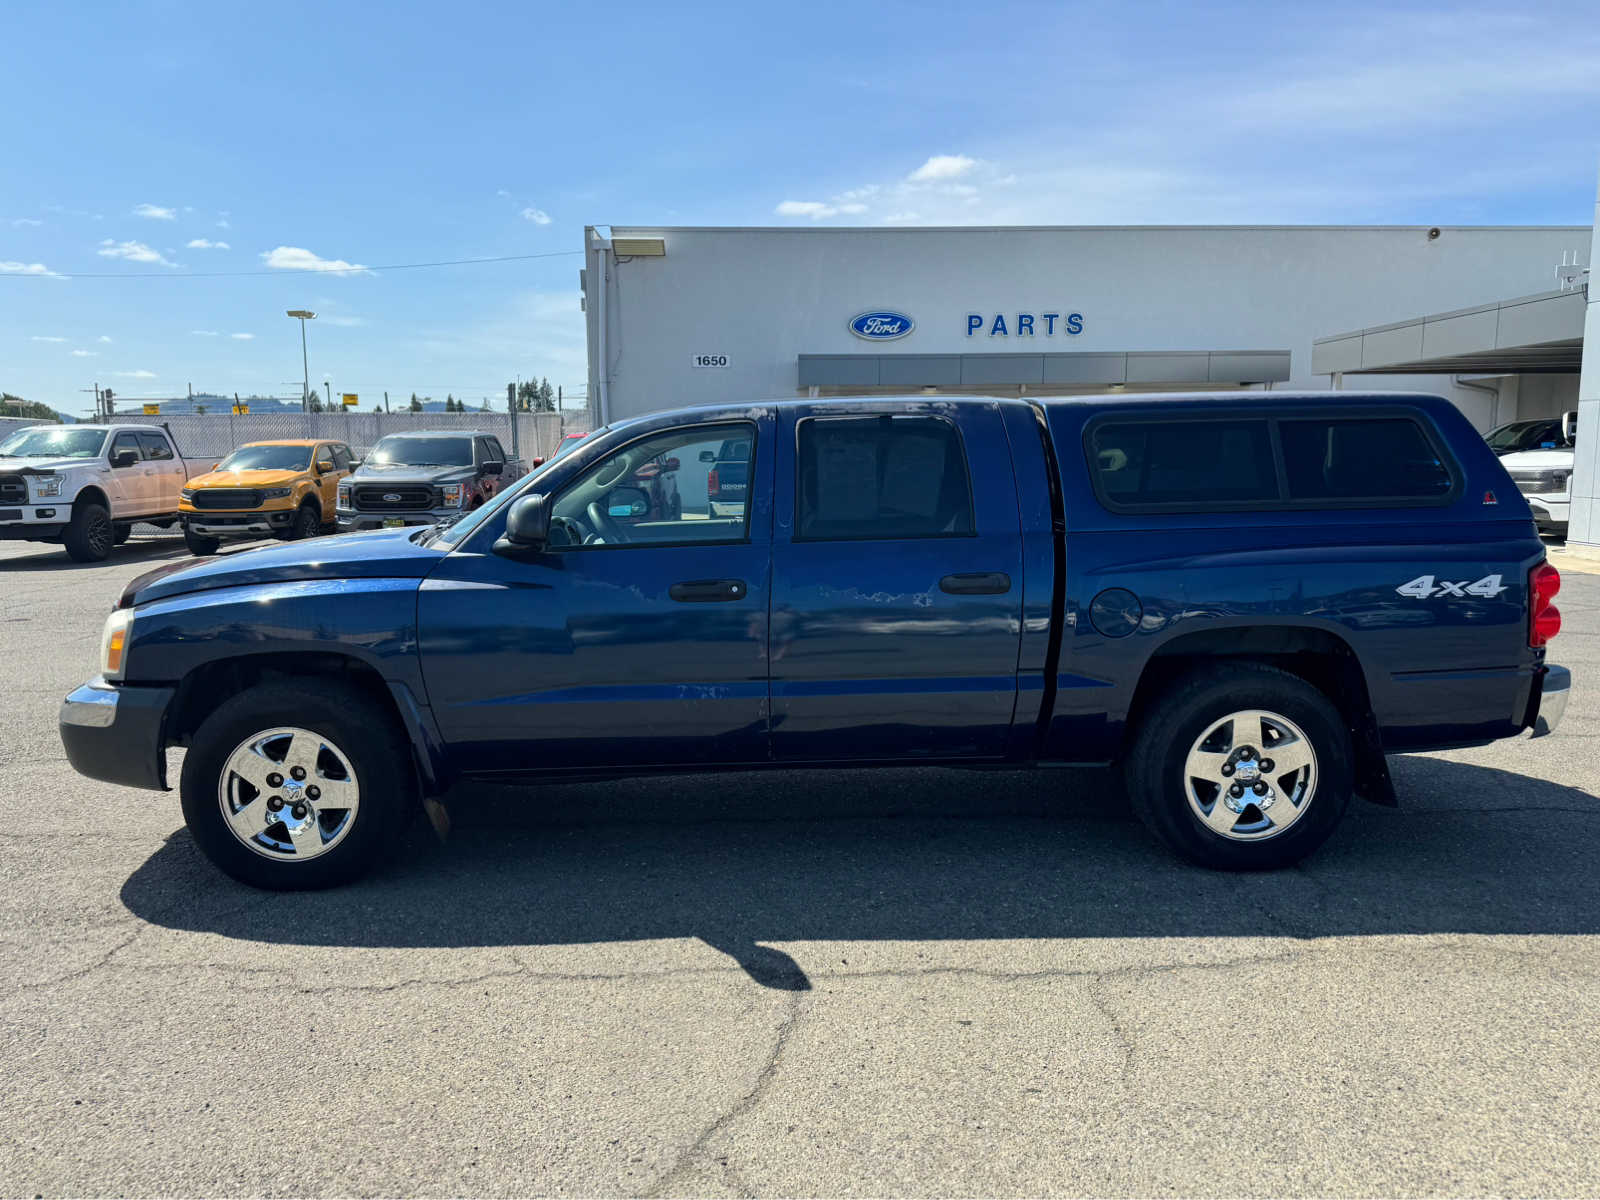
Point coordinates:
[(386, 402)]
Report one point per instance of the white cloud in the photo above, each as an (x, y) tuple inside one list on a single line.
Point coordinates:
[(537, 215), (242, 337), (133, 252), (39, 337), (343, 322), (205, 333), (204, 244), (816, 210), (502, 193), (293, 258), (21, 268), (224, 224), (941, 167), (902, 218), (19, 222), (103, 338), (85, 354), (135, 374), (155, 212)]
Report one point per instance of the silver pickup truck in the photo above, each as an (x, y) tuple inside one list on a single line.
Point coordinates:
[(84, 487), (425, 478)]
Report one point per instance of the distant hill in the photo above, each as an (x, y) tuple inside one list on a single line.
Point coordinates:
[(16, 406), (213, 403)]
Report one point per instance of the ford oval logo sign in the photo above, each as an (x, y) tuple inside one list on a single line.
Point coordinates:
[(882, 326)]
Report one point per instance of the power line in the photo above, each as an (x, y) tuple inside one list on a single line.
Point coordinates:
[(454, 262)]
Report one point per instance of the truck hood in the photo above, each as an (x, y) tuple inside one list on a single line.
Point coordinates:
[(47, 465), (382, 554), (382, 473), (1538, 458), (246, 479)]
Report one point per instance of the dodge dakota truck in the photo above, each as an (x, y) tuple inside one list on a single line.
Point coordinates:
[(425, 477), (1246, 601), (84, 487)]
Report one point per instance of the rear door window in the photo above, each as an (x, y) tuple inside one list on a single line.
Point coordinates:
[(1192, 464), (881, 477), (1367, 458)]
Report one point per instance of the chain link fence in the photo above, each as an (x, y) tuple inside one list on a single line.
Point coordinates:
[(203, 435)]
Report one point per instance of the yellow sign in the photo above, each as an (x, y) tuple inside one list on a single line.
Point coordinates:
[(241, 410), (151, 410), (351, 399)]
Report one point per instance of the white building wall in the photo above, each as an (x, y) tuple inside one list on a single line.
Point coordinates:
[(765, 296)]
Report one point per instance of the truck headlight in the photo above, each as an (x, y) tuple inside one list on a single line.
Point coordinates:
[(450, 495), (276, 493), (114, 642), (46, 485), (344, 496), (186, 495)]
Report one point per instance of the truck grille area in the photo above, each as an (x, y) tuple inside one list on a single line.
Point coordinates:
[(211, 498), (13, 489), (1540, 482), (403, 497)]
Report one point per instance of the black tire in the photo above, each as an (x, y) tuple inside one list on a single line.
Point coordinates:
[(307, 523), (369, 735), (122, 534), (1158, 784), (200, 544), (90, 536)]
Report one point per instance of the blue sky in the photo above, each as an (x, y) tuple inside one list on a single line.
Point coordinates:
[(162, 140)]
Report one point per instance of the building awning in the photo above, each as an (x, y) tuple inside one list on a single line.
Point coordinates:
[(1532, 335), (1085, 368)]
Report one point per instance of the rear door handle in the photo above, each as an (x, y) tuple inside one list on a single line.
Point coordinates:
[(707, 591), (976, 583)]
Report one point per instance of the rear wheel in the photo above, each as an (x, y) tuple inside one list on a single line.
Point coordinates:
[(199, 543), (289, 787), (89, 536), (1241, 767)]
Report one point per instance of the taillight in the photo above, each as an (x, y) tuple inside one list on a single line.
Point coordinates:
[(712, 485), (1544, 618)]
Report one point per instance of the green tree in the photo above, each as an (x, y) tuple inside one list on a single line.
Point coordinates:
[(16, 406), (547, 396), (316, 402), (416, 405)]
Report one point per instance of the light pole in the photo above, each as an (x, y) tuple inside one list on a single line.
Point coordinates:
[(304, 315)]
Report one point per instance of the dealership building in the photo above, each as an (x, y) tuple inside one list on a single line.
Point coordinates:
[(1490, 316)]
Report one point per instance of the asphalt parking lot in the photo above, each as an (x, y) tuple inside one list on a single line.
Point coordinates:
[(917, 982)]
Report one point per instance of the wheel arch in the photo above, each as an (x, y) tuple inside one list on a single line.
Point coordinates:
[(92, 494), (1320, 656)]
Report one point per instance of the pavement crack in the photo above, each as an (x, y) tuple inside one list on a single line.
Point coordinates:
[(695, 1154)]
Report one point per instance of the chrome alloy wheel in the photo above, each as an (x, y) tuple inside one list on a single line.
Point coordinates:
[(1250, 775), (288, 794)]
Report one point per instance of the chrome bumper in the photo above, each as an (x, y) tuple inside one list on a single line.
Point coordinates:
[(93, 705), (114, 732), (1552, 700)]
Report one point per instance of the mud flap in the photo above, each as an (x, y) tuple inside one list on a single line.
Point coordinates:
[(1373, 783), (438, 817)]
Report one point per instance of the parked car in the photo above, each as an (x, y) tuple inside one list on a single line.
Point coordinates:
[(425, 478), (86, 486), (1542, 469), (284, 489), (966, 582), (1541, 433), (729, 478)]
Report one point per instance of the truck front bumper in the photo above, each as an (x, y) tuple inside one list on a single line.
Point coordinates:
[(234, 524), (1550, 512), (34, 522), (351, 520), (114, 732), (1554, 689)]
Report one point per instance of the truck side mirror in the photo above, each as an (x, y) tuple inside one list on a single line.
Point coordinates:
[(708, 456), (124, 458), (493, 468), (1569, 427), (527, 527), (324, 465)]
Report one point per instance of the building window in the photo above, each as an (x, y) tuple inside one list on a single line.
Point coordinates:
[(881, 477)]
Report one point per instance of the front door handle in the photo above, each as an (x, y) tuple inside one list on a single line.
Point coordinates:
[(707, 591), (976, 583)]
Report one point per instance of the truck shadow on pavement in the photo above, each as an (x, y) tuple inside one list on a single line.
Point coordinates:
[(912, 855)]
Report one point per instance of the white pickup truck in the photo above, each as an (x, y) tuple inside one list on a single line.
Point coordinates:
[(85, 486), (1539, 457)]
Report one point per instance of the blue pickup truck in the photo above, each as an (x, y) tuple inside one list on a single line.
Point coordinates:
[(1244, 600)]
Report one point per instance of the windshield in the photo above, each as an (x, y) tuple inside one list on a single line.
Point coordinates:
[(1525, 435), (422, 452), (53, 443), (267, 458)]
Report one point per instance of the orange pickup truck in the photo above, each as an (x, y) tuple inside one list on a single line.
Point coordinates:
[(286, 489)]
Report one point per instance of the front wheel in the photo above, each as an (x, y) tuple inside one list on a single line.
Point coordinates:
[(89, 537), (297, 787), (1241, 767), (306, 524), (199, 544)]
